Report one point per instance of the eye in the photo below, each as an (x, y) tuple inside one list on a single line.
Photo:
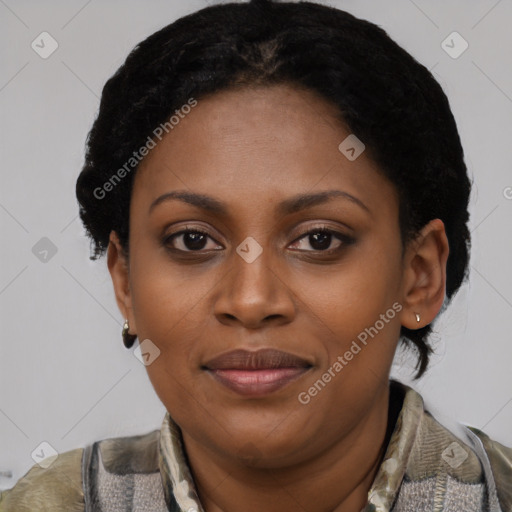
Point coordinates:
[(189, 240), (321, 239)]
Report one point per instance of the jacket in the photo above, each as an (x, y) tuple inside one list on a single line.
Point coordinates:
[(426, 468)]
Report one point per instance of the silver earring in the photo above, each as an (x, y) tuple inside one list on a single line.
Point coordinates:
[(418, 318)]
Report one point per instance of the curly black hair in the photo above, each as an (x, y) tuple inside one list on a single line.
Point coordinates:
[(379, 91)]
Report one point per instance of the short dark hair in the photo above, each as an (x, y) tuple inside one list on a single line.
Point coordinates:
[(379, 91)]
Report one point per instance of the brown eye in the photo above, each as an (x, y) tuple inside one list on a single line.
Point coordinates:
[(322, 239), (189, 240)]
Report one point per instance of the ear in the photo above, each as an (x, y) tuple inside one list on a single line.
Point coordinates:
[(424, 283), (119, 272)]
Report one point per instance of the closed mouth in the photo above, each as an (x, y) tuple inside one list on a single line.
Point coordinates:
[(263, 359), (256, 374)]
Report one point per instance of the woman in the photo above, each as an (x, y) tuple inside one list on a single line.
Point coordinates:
[(281, 194)]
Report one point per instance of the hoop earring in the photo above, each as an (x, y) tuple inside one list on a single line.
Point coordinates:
[(128, 339), (418, 318)]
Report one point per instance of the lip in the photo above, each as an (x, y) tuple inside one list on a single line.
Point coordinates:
[(256, 373), (262, 359)]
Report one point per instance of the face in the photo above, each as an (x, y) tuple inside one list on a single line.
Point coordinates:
[(254, 266)]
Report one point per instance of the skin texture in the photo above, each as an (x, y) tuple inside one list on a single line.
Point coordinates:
[(250, 149)]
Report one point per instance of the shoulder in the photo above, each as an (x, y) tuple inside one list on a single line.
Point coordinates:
[(450, 463), (77, 477), (497, 460), (55, 488)]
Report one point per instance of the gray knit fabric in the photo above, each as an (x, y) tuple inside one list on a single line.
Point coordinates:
[(125, 493), (433, 495), (123, 476), (416, 496)]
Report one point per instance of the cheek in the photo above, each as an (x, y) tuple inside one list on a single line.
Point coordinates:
[(354, 296), (357, 319), (165, 295), (358, 309), (169, 308), (166, 313)]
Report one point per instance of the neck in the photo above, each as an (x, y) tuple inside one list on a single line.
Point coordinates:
[(341, 475)]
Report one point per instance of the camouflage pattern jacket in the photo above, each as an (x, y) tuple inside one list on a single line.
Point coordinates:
[(426, 468)]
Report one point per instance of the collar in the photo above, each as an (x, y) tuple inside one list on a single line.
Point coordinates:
[(179, 486), (391, 472)]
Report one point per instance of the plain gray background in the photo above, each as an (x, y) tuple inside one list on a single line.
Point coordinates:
[(65, 377)]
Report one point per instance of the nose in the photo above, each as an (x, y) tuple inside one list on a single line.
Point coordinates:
[(255, 293)]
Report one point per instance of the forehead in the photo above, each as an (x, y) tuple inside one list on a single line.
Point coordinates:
[(255, 145)]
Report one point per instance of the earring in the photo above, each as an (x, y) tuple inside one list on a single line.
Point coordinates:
[(418, 318), (128, 339)]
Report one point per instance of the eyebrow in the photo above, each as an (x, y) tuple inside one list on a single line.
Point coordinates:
[(286, 207)]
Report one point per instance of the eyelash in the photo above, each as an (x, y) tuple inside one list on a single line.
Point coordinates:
[(343, 238)]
